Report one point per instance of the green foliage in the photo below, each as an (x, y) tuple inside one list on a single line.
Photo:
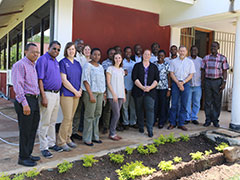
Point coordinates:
[(3, 176), (166, 165), (129, 150), (184, 138), (117, 158), (31, 174), (160, 140), (221, 146), (171, 138), (19, 177), (64, 167), (132, 170), (236, 177), (88, 160), (196, 156), (107, 178), (177, 159), (207, 153), (151, 148), (142, 150)]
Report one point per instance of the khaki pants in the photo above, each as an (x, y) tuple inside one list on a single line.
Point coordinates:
[(69, 106), (91, 117), (48, 117)]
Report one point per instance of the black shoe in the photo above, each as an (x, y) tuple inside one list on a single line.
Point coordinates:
[(182, 128), (195, 122), (160, 126), (186, 122), (171, 127), (125, 127), (141, 130), (46, 154), (34, 158), (216, 124), (120, 128), (27, 162), (89, 144), (56, 148), (150, 134), (135, 126), (76, 136), (97, 141), (206, 124)]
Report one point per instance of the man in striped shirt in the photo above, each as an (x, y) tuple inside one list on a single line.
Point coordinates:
[(25, 85), (214, 76)]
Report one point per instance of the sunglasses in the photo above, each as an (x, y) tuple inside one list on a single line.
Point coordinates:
[(56, 49)]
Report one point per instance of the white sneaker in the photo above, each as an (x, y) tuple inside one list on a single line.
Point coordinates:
[(72, 145), (66, 148)]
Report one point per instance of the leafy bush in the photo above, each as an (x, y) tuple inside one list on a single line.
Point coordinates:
[(207, 153), (19, 177), (117, 158), (64, 167), (31, 174), (166, 165), (88, 160), (184, 138), (171, 138), (221, 146), (151, 148), (197, 156), (177, 159), (107, 178), (4, 177), (142, 150), (132, 170), (129, 150), (160, 140)]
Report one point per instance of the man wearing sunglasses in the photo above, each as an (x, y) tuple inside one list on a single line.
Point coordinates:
[(49, 80)]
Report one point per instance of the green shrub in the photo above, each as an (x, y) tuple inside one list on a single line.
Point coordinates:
[(151, 148), (132, 170), (184, 138), (3, 176), (171, 138), (221, 146), (129, 150), (19, 177), (177, 159), (142, 150), (31, 174), (160, 140), (196, 156), (117, 158), (107, 178), (64, 167), (207, 153), (166, 165), (88, 160)]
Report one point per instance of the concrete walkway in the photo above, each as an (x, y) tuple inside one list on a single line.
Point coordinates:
[(131, 137)]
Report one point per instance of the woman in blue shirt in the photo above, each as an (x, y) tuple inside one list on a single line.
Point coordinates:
[(70, 92)]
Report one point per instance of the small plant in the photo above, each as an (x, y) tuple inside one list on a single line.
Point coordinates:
[(31, 174), (221, 146), (19, 177), (107, 178), (160, 140), (171, 138), (117, 158), (197, 156), (132, 170), (3, 176), (142, 150), (177, 159), (207, 153), (64, 167), (151, 148), (129, 150), (166, 165), (88, 160), (184, 138)]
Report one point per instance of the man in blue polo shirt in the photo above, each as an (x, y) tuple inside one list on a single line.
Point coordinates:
[(50, 82)]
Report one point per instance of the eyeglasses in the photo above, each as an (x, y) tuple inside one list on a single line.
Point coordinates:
[(56, 49)]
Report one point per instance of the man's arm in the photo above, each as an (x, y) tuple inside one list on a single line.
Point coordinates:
[(44, 100)]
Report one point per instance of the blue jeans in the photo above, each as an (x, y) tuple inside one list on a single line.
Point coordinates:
[(183, 96), (193, 104), (145, 103)]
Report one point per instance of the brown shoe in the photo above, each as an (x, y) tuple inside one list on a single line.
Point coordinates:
[(171, 127), (119, 137), (115, 138), (182, 128)]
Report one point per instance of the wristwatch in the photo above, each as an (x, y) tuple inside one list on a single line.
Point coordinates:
[(169, 89)]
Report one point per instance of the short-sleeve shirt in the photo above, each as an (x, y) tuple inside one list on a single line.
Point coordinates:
[(117, 82), (73, 72), (196, 79), (81, 59), (95, 77), (153, 58), (163, 75), (106, 64), (169, 59), (214, 66), (182, 68), (128, 65), (49, 72)]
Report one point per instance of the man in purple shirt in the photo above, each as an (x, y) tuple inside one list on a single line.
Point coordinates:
[(50, 82), (25, 85)]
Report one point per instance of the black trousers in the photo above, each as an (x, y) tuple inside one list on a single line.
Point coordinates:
[(27, 126), (213, 99)]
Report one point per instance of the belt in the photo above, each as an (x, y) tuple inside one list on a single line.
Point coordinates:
[(212, 79), (32, 95), (52, 91)]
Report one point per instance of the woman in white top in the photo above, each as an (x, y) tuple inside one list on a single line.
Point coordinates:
[(115, 92), (93, 88)]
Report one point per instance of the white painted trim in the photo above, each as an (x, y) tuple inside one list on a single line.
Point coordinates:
[(3, 71), (175, 36), (23, 37), (7, 53)]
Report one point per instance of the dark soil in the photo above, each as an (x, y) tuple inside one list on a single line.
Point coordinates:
[(105, 168)]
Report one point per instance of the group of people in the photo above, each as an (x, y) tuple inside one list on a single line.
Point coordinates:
[(135, 88)]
